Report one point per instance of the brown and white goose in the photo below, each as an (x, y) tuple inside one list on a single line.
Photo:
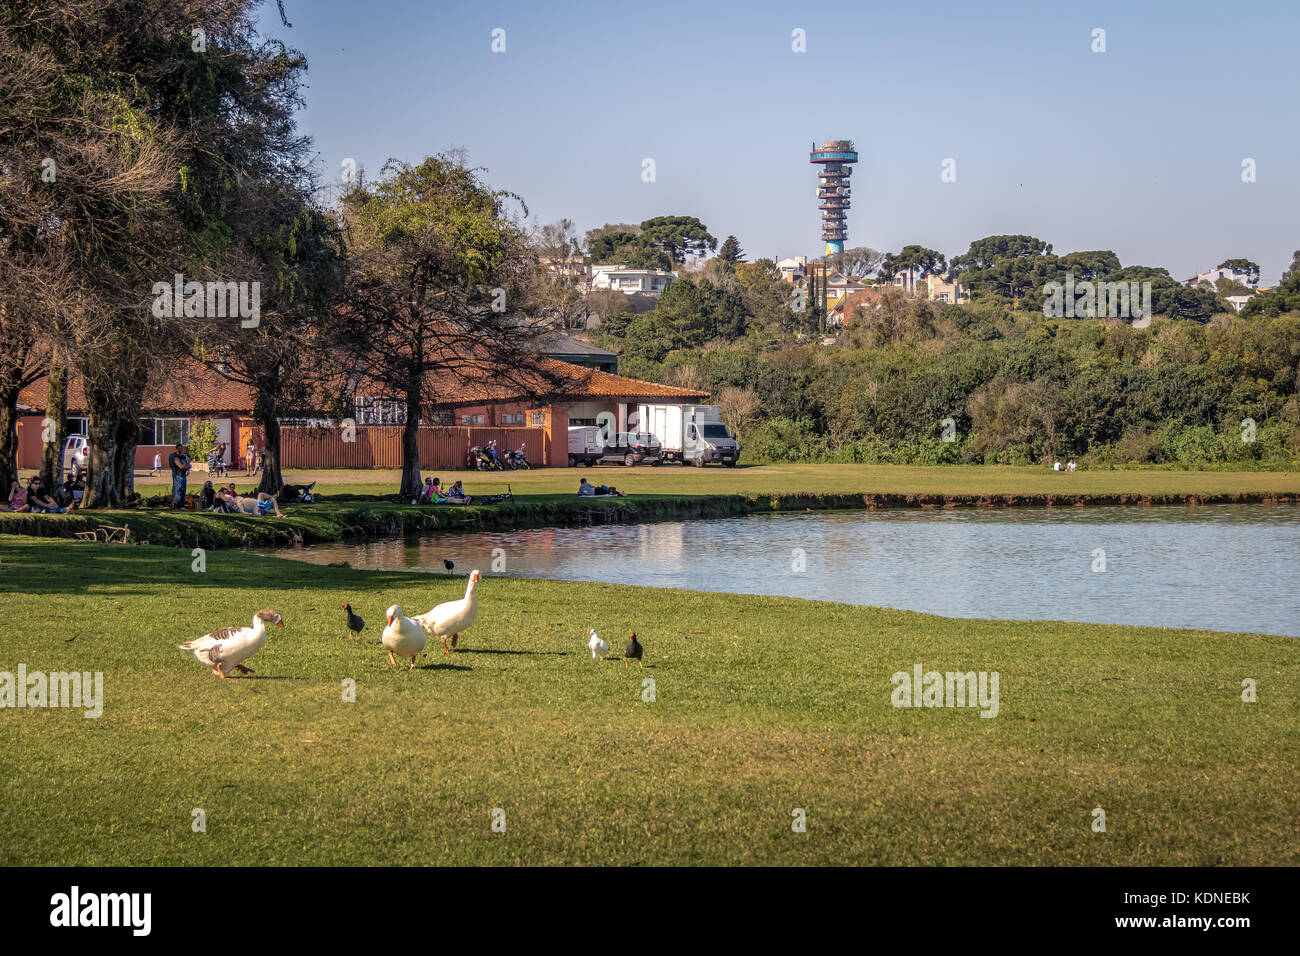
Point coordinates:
[(226, 648)]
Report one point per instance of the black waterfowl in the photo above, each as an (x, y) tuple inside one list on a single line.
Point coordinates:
[(355, 624), (634, 649)]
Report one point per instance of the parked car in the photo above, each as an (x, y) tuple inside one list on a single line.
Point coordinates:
[(75, 452), (632, 448)]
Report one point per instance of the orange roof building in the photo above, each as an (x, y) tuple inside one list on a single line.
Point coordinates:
[(551, 396)]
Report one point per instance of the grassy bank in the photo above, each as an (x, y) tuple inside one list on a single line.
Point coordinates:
[(763, 705), (762, 480), (355, 503)]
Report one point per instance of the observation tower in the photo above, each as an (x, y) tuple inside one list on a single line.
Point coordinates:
[(835, 158)]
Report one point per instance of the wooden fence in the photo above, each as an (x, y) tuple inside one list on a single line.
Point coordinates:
[(380, 446)]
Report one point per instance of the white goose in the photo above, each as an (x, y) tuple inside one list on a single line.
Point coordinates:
[(598, 647), (453, 616), (226, 648), (403, 637)]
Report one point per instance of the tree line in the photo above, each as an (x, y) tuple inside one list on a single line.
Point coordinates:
[(158, 201)]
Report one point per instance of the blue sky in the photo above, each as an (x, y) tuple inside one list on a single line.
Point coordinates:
[(1138, 149)]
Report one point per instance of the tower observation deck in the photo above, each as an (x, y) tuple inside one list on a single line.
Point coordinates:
[(835, 158)]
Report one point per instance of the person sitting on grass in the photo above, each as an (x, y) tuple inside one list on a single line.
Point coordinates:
[(76, 489), (17, 500), (227, 501), (40, 502), (456, 495), (207, 497), (430, 494)]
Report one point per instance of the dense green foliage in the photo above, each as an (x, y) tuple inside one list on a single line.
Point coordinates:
[(658, 243), (1018, 388)]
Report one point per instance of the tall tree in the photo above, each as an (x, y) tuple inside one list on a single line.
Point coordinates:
[(984, 253), (1294, 268), (856, 262), (730, 250), (676, 237), (438, 291), (1244, 266), (915, 260), (172, 130)]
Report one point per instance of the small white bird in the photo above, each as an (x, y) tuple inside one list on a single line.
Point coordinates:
[(226, 648), (452, 617), (598, 647), (403, 637)]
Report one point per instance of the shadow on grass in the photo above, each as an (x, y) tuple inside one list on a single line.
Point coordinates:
[(497, 650), (443, 666), (60, 566)]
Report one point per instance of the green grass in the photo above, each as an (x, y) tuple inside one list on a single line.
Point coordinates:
[(815, 479), (763, 705)]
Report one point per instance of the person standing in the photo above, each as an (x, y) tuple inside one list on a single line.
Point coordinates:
[(249, 452), (179, 462), (157, 465)]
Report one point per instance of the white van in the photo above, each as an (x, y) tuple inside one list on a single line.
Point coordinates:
[(585, 445)]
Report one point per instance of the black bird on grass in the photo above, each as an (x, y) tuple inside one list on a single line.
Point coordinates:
[(355, 624), (448, 563), (633, 650)]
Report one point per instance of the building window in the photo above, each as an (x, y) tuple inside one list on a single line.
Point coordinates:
[(78, 426), (537, 419), (164, 431), (513, 419), (582, 421), (473, 419), (379, 411), (442, 416)]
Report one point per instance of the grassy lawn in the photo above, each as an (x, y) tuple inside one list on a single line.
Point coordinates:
[(786, 478), (763, 705)]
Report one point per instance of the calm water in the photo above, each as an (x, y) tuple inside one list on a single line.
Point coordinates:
[(1225, 567)]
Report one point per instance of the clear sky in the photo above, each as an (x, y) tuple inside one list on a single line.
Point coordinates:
[(1138, 149)]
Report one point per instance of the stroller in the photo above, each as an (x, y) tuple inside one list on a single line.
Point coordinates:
[(216, 467)]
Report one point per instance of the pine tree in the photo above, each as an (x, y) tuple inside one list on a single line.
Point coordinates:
[(730, 250)]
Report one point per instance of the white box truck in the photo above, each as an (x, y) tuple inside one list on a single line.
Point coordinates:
[(689, 433)]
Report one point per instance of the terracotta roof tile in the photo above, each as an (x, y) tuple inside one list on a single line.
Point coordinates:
[(196, 389)]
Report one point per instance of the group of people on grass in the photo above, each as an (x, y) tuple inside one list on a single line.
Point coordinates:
[(434, 494), (37, 499), (1072, 466), (226, 500)]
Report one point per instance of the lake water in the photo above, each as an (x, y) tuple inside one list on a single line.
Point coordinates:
[(1223, 567)]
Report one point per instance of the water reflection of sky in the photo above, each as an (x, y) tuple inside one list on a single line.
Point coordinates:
[(1227, 567)]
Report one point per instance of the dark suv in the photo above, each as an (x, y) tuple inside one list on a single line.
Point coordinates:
[(632, 448)]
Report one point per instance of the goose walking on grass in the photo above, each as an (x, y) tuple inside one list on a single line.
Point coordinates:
[(598, 647), (453, 617), (226, 648), (403, 637)]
